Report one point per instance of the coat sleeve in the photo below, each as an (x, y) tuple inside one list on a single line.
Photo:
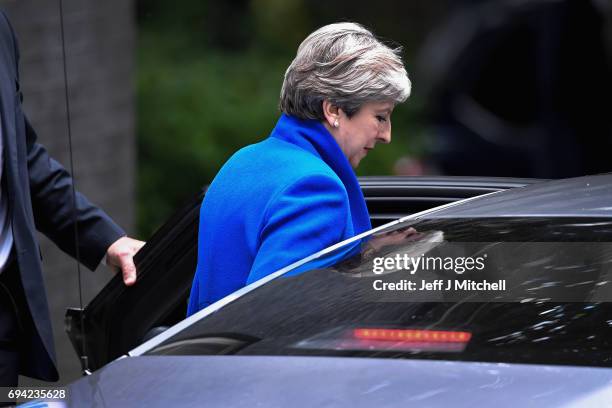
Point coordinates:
[(54, 213), (306, 217), (52, 199)]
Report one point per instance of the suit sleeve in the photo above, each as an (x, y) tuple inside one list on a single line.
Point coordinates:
[(306, 217), (52, 201), (52, 204)]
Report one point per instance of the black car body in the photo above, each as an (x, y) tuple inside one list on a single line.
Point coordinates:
[(302, 338)]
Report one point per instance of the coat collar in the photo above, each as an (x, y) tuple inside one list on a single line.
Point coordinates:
[(312, 136)]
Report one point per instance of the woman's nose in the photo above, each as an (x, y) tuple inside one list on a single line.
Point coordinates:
[(384, 135)]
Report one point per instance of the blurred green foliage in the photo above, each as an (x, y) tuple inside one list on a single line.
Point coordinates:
[(209, 76)]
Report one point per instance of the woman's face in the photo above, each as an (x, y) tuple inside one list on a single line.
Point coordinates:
[(360, 133)]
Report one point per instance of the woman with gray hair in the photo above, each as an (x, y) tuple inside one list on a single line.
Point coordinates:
[(295, 193)]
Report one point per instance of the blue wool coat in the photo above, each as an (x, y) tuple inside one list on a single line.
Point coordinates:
[(274, 203)]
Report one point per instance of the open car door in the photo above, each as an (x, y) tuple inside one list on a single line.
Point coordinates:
[(120, 318)]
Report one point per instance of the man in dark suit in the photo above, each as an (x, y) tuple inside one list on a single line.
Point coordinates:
[(36, 194)]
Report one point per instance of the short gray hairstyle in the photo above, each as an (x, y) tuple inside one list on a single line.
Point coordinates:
[(345, 64)]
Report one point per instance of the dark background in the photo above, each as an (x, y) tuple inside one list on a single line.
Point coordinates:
[(500, 88)]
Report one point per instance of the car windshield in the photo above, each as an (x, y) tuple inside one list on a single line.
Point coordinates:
[(517, 289)]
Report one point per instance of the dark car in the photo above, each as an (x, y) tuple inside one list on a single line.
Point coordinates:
[(352, 333)]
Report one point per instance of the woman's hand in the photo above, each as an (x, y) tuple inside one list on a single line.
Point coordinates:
[(391, 238)]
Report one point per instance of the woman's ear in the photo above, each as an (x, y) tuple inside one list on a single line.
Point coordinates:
[(331, 113)]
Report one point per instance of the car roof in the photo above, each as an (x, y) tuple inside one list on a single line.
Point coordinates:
[(588, 196)]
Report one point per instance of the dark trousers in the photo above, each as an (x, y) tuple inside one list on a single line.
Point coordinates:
[(11, 294)]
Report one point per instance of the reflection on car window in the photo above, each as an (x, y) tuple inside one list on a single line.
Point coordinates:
[(333, 310)]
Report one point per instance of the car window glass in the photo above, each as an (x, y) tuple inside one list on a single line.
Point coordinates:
[(560, 268)]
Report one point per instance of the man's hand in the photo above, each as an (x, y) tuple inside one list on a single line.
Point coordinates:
[(121, 254)]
